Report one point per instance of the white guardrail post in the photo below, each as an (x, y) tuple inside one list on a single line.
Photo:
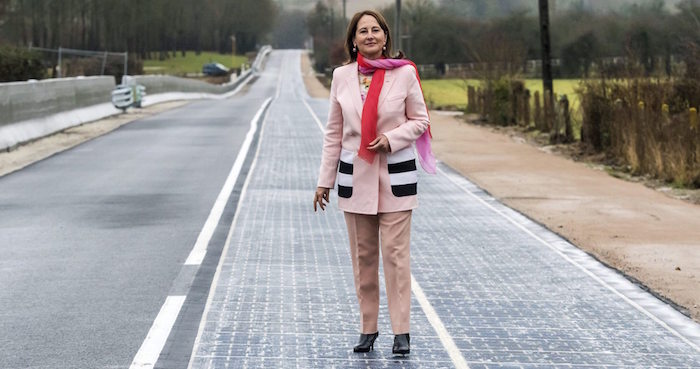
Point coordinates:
[(128, 94), (122, 97)]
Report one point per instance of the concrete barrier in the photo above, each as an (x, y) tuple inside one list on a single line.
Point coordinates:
[(20, 101)]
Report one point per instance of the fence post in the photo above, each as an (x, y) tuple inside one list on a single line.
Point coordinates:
[(548, 111), (472, 105), (513, 119), (538, 111), (526, 108), (555, 123), (567, 119), (60, 56), (104, 63)]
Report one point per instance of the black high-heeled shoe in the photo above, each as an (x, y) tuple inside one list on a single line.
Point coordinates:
[(366, 343), (402, 344)]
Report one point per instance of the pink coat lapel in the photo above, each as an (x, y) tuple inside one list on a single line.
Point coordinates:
[(353, 81), (388, 82)]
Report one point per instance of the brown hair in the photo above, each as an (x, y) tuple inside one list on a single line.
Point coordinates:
[(352, 29)]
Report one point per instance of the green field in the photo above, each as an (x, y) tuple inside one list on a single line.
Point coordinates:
[(452, 93), (191, 63)]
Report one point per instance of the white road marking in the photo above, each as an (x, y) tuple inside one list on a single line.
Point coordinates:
[(573, 262), (224, 252), (279, 84), (150, 350), (200, 246), (151, 347), (313, 115), (447, 342)]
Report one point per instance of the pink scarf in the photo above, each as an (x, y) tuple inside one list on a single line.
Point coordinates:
[(369, 111)]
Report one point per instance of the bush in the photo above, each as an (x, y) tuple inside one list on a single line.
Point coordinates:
[(597, 114), (646, 125), (18, 64), (93, 67), (498, 92)]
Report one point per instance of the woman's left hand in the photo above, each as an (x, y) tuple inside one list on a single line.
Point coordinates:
[(380, 144)]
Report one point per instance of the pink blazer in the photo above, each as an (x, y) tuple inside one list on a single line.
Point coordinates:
[(389, 184)]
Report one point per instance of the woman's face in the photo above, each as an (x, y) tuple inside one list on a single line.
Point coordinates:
[(369, 37)]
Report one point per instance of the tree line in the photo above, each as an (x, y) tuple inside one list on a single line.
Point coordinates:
[(148, 28), (437, 33)]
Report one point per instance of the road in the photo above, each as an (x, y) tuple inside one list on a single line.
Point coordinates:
[(188, 238), (94, 239)]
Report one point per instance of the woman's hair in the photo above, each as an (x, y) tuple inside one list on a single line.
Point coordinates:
[(352, 29)]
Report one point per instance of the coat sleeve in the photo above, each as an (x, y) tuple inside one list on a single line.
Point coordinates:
[(332, 139), (416, 114)]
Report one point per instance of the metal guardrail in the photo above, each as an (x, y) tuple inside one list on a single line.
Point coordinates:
[(126, 96)]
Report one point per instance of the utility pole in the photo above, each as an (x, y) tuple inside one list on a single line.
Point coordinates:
[(546, 47), (551, 123), (345, 16), (398, 24)]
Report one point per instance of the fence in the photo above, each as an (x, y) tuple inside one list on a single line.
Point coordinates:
[(632, 124), (510, 103)]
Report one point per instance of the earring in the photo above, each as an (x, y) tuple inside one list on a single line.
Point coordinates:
[(384, 48), (354, 48)]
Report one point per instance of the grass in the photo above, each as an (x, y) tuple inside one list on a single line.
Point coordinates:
[(451, 93), (447, 93), (191, 63)]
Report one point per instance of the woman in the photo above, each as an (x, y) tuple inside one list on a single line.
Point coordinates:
[(376, 112)]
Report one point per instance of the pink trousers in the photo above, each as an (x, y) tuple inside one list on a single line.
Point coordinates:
[(365, 233)]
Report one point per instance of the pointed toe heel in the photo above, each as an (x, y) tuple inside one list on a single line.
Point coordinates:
[(402, 344), (366, 343)]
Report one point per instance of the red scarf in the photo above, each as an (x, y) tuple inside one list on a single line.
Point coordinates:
[(369, 110)]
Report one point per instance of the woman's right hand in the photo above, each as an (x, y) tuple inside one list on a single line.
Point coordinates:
[(321, 195)]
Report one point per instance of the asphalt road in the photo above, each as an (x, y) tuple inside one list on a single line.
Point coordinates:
[(93, 239)]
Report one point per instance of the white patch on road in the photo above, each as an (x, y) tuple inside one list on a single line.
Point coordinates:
[(447, 342), (200, 247), (150, 350)]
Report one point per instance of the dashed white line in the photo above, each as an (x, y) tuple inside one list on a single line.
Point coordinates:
[(447, 342), (151, 347)]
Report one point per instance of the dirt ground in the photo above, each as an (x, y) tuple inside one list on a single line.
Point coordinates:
[(650, 237)]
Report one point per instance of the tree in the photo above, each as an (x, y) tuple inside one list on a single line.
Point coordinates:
[(137, 26), (578, 56)]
